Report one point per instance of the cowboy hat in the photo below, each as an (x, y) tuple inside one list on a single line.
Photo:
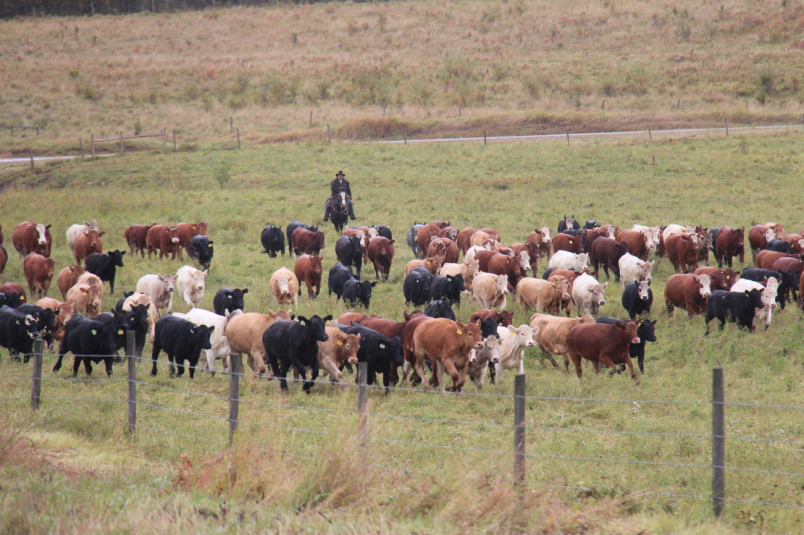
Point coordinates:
[(339, 173)]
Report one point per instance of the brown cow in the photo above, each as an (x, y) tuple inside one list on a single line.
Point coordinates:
[(542, 241), (304, 241), (682, 251), (758, 238), (796, 242), (729, 242), (483, 258), (766, 259), (481, 238), (426, 233), (90, 279), (594, 233), (163, 239), (414, 320), (87, 243), (501, 264), (506, 316), (533, 253), (464, 238), (431, 263), (285, 286), (719, 279), (347, 318), (244, 332), (491, 232), (636, 242), (448, 343), (450, 233), (186, 233), (389, 328), (448, 249), (565, 242), (335, 353), (608, 252), (137, 238), (381, 254), (550, 296), (86, 299), (687, 291), (602, 344), (30, 238), (308, 270), (64, 311), (67, 279), (39, 272), (551, 337), (14, 288), (3, 258)]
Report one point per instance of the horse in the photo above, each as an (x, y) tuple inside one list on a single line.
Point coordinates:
[(339, 211)]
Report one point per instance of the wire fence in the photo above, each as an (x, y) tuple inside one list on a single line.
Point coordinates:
[(489, 435)]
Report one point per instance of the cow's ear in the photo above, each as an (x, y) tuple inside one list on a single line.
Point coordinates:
[(212, 329), (327, 317), (655, 323), (245, 290), (392, 241), (511, 328), (86, 233), (101, 233), (605, 285), (373, 284), (205, 272)]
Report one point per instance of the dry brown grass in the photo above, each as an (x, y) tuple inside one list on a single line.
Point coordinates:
[(514, 66)]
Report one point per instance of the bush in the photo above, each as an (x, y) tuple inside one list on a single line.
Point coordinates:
[(766, 77), (607, 86), (533, 86), (85, 90), (223, 174)]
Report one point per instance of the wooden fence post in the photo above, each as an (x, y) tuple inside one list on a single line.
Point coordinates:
[(727, 127), (718, 442), (37, 131), (484, 138), (235, 369), (32, 165), (164, 140), (329, 139), (406, 134), (36, 382), (568, 138), (92, 143), (603, 107), (174, 140), (650, 136), (231, 124), (238, 139), (122, 143), (519, 430), (678, 104), (362, 401), (12, 130), (93, 8), (81, 145), (131, 360), (311, 118)]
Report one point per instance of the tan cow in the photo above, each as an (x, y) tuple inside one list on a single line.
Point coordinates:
[(285, 287), (86, 299), (245, 335), (468, 269), (551, 336), (92, 280), (490, 290), (67, 278), (64, 311), (549, 296), (448, 344), (480, 238), (139, 298), (431, 264), (159, 288), (483, 358), (335, 352)]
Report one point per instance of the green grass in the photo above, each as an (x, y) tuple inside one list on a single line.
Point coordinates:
[(512, 188)]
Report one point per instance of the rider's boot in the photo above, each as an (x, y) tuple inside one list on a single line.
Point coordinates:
[(326, 214), (352, 214)]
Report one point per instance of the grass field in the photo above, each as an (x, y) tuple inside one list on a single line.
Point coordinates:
[(70, 467)]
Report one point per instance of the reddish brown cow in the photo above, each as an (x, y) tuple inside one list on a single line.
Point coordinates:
[(483, 258), (682, 252), (426, 233), (795, 242), (186, 233), (719, 279), (595, 233), (463, 238), (389, 328), (449, 344), (3, 258), (506, 315), (414, 320), (381, 254), (565, 242), (87, 243), (758, 238), (531, 249), (501, 264), (68, 277), (602, 344), (39, 272), (30, 238), (137, 238), (608, 252), (729, 243), (163, 239), (687, 291), (766, 259), (304, 241), (14, 288), (347, 318), (445, 248), (636, 242), (537, 239), (450, 233), (308, 270)]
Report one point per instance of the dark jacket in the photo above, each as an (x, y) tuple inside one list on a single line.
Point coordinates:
[(338, 186)]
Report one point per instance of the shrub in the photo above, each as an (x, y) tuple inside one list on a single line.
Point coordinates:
[(607, 86), (533, 86), (223, 173), (766, 77), (85, 90)]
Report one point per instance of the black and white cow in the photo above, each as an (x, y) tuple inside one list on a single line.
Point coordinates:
[(104, 266), (788, 280), (568, 223), (45, 321), (228, 300), (181, 340), (17, 331), (201, 249), (637, 298), (295, 343), (378, 351), (738, 307), (273, 241), (350, 253), (89, 341)]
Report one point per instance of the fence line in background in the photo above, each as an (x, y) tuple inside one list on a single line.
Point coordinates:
[(12, 127)]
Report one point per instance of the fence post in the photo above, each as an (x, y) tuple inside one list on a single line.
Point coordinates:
[(484, 138), (122, 143), (235, 369), (92, 143), (153, 8), (718, 442), (311, 118), (32, 165), (519, 430), (174, 140), (81, 145), (362, 401), (329, 139), (568, 138), (650, 136), (164, 140), (406, 134), (37, 131), (231, 124), (238, 139), (93, 8), (12, 130), (678, 104), (603, 107), (459, 110), (131, 356), (36, 383), (727, 127)]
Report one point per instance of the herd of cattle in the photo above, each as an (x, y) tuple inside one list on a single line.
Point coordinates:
[(489, 273)]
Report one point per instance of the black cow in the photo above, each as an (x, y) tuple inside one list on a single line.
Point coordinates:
[(713, 233), (89, 341), (737, 307), (45, 321), (646, 331), (349, 253), (227, 300), (181, 340), (122, 300), (137, 318), (548, 273), (379, 352), (104, 266), (338, 275), (788, 280), (11, 300), (574, 225), (440, 309), (448, 287), (17, 331), (273, 241), (779, 246), (201, 249), (293, 225), (591, 224), (637, 298), (417, 286), (295, 343), (383, 231), (119, 320), (488, 327), (354, 291)]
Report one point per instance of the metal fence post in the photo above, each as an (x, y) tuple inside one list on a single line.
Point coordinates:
[(164, 141), (718, 442), (231, 124), (32, 160), (568, 138), (235, 369), (362, 401), (36, 378), (519, 430), (131, 356)]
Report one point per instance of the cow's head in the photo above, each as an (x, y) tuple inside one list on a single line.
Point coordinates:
[(77, 271), (316, 327), (598, 292), (315, 266), (492, 344), (347, 345), (769, 293), (42, 231), (168, 282), (116, 257), (562, 286), (754, 298), (502, 284), (283, 283), (643, 290), (319, 240), (524, 334), (703, 285), (201, 228), (581, 262), (173, 233), (630, 329), (470, 334), (364, 292), (646, 330)]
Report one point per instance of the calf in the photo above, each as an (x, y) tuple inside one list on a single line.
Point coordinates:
[(295, 343), (85, 299), (90, 341), (285, 287), (447, 249), (448, 288), (769, 293), (381, 253), (565, 242), (440, 309), (448, 344), (729, 242), (39, 272), (227, 300), (386, 327), (719, 279), (120, 321), (490, 290), (304, 241), (244, 332), (191, 283), (513, 342), (588, 294), (273, 241), (201, 250), (17, 331), (181, 340), (104, 266), (504, 318), (417, 287), (633, 269), (75, 230), (349, 253), (30, 238), (159, 289), (382, 354), (637, 298), (338, 275), (608, 252), (602, 344), (682, 251), (163, 239), (483, 357), (308, 270), (433, 264), (219, 343), (87, 243), (687, 291), (137, 299), (137, 238), (550, 334), (738, 307), (548, 296), (292, 226), (646, 331), (565, 260), (336, 352), (354, 291), (501, 264), (186, 232)]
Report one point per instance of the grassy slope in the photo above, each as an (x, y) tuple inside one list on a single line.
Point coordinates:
[(512, 188), (516, 67)]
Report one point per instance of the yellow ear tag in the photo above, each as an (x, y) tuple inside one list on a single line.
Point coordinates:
[(340, 342), (120, 331), (570, 241), (460, 331)]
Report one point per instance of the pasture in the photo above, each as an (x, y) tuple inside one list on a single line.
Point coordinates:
[(72, 468)]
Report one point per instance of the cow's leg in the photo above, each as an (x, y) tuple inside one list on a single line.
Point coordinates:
[(155, 355), (313, 376), (439, 374), (108, 361), (576, 360), (461, 378), (76, 365), (521, 367), (210, 362), (63, 349), (596, 366), (284, 366)]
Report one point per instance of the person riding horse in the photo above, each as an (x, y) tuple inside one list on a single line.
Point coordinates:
[(338, 186)]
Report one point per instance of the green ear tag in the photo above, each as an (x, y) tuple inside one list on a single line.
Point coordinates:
[(382, 346), (94, 332), (301, 322)]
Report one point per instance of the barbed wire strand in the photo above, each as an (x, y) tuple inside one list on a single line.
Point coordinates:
[(178, 434), (774, 504), (108, 400), (300, 429), (226, 398)]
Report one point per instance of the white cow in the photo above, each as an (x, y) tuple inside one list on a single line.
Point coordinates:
[(159, 289), (588, 294), (513, 341), (190, 283), (76, 230), (220, 344), (634, 269), (488, 355), (490, 290), (769, 293), (568, 260)]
